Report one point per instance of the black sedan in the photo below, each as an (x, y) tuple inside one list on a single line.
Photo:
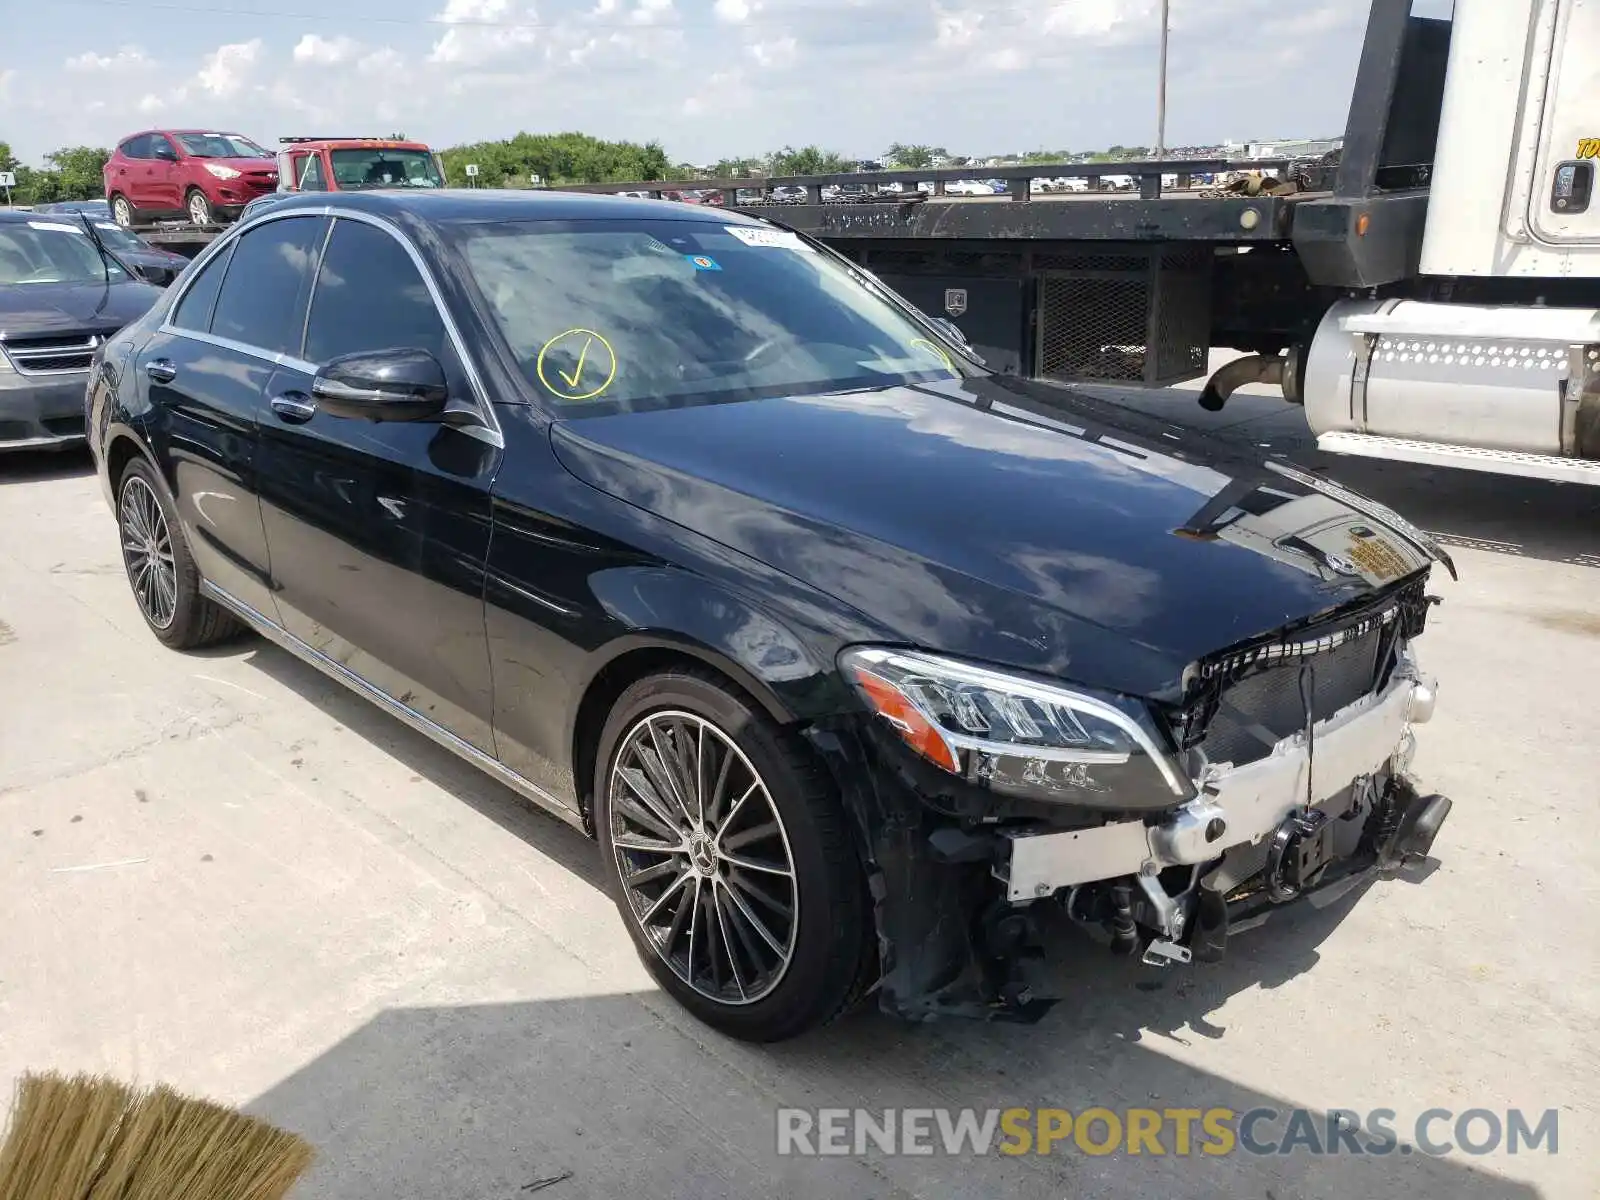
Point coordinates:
[(855, 657)]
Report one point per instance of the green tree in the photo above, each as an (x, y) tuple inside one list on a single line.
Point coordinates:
[(557, 158), (80, 170), (912, 158), (808, 160), (738, 168)]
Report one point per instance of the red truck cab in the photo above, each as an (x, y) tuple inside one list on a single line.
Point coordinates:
[(352, 164)]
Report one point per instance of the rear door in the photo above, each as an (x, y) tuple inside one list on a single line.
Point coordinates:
[(206, 373), (1565, 204), (379, 531)]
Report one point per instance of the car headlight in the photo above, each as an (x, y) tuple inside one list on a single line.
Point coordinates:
[(222, 172), (5, 364), (1023, 737)]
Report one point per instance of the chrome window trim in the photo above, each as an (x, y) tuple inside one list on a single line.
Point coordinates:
[(492, 433)]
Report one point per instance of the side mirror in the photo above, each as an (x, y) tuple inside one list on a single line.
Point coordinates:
[(382, 385)]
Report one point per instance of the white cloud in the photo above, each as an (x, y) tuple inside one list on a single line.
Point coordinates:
[(779, 52), (313, 48), (385, 60), (226, 70), (733, 11), (483, 30), (125, 59), (1008, 59), (651, 12), (957, 29), (1093, 18)]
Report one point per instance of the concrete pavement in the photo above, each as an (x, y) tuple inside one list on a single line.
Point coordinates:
[(222, 871)]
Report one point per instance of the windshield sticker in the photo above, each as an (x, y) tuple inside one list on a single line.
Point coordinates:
[(935, 350), (57, 226), (781, 239), (702, 263), (577, 364)]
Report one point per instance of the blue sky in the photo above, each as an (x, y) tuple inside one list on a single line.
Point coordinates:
[(708, 78)]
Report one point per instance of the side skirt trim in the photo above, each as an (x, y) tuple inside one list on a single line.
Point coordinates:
[(438, 733)]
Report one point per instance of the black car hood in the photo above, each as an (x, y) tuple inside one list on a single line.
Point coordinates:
[(35, 309), (1004, 521)]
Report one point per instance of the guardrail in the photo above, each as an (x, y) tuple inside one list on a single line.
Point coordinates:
[(1148, 177)]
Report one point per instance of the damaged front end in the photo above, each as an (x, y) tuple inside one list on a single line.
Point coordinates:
[(990, 802)]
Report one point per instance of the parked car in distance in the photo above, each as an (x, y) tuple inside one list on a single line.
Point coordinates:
[(60, 298), (860, 661), (355, 164), (177, 173), (132, 252), (140, 259)]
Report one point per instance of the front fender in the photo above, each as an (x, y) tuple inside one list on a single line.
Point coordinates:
[(787, 667)]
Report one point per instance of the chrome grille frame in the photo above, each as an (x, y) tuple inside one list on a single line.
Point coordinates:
[(53, 355)]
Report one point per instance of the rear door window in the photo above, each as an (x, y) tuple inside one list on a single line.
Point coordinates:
[(263, 297)]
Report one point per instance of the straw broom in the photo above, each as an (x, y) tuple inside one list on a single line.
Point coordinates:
[(93, 1138)]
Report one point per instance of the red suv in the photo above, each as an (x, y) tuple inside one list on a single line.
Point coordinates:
[(207, 177)]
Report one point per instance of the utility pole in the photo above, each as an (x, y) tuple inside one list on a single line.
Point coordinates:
[(1161, 94)]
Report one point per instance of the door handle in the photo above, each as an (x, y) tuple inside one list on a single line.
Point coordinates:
[(161, 370), (294, 407)]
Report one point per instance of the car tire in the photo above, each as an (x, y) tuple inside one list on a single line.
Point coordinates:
[(123, 211), (161, 571), (198, 205), (756, 975)]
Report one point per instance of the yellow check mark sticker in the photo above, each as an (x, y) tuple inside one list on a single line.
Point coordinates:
[(933, 350), (591, 374), (577, 372)]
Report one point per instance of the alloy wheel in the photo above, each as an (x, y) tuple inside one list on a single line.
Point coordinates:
[(147, 552), (122, 211), (703, 857), (199, 209)]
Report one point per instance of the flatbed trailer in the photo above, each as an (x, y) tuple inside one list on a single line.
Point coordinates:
[(178, 237), (1430, 294)]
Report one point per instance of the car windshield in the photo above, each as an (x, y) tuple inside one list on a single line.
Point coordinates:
[(51, 252), (356, 169), (221, 145), (620, 315)]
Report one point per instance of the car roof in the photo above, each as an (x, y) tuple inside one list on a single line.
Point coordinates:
[(205, 129), (494, 204)]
